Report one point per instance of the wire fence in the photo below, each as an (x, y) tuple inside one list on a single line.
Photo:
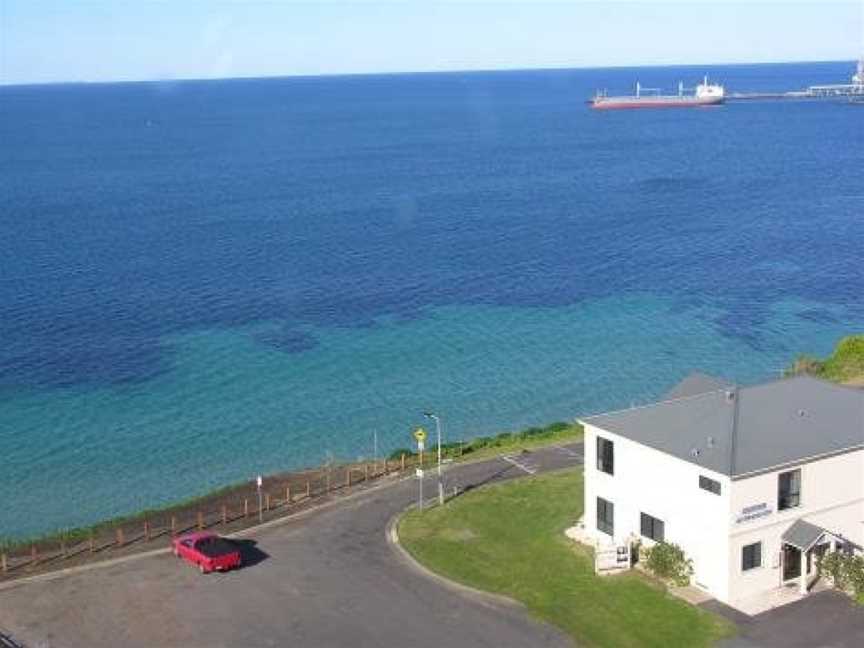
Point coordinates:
[(227, 511)]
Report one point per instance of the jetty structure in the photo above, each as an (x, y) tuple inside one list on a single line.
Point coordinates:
[(854, 90)]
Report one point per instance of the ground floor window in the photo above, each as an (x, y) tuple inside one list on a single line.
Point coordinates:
[(652, 527), (605, 516), (751, 556)]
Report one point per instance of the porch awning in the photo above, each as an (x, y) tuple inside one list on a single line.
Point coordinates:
[(803, 535)]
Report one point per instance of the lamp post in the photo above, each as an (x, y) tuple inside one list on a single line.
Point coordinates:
[(437, 420)]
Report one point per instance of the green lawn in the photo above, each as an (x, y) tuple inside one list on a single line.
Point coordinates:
[(508, 539)]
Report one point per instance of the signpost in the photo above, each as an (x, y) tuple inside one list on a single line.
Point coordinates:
[(260, 482), (420, 437)]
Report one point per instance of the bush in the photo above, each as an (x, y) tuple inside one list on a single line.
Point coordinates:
[(396, 455), (833, 565), (845, 571), (667, 561)]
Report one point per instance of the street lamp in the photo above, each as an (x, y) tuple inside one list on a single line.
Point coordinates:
[(437, 420)]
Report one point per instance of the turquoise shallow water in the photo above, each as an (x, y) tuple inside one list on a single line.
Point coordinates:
[(201, 281), (485, 369)]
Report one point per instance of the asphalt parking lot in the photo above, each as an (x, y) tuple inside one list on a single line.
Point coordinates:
[(822, 620), (326, 579)]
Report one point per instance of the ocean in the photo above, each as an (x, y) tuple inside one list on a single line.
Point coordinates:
[(201, 281)]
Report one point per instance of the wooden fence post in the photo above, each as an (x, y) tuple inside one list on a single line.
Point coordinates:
[(120, 537), (366, 472), (245, 508), (224, 515), (266, 501), (287, 495), (348, 476), (403, 461), (63, 547), (173, 525), (146, 531), (5, 562), (200, 521), (385, 465), (308, 489), (34, 555), (92, 543)]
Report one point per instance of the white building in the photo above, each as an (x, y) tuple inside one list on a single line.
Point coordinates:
[(753, 483)]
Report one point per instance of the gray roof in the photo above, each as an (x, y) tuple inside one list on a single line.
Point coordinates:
[(697, 383), (740, 430), (802, 534)]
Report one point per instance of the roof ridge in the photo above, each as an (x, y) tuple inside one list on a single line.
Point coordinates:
[(657, 403)]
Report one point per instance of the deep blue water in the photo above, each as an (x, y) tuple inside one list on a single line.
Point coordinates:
[(202, 280)]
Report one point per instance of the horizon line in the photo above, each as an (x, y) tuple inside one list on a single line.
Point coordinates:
[(250, 77)]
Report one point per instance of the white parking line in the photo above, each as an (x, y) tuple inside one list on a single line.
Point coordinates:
[(568, 451), (527, 469)]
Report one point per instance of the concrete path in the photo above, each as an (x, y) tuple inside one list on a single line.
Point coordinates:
[(327, 579)]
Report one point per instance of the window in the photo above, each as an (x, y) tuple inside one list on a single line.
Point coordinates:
[(788, 489), (652, 527), (751, 556), (605, 516), (605, 456), (708, 484)]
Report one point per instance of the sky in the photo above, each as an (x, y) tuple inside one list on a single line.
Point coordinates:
[(109, 40)]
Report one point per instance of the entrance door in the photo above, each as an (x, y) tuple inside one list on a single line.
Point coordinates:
[(791, 562)]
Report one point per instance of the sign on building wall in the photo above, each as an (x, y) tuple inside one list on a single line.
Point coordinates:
[(754, 512), (611, 559)]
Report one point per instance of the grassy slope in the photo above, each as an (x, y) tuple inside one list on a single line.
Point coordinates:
[(845, 364), (508, 539), (476, 449), (504, 443)]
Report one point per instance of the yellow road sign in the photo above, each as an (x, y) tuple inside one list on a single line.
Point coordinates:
[(420, 435)]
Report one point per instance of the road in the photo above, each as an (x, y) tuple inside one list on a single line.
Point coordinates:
[(327, 579)]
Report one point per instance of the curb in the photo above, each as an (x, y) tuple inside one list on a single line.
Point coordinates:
[(486, 598)]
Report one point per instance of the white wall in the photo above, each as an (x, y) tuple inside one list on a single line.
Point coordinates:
[(832, 496), (667, 488)]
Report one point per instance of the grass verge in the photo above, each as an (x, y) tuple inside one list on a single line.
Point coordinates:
[(475, 449), (508, 539), (485, 447)]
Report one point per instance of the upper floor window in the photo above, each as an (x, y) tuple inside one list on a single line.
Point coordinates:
[(711, 485), (652, 528), (605, 516), (788, 489), (605, 455)]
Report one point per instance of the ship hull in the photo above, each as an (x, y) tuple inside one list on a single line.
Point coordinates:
[(626, 103)]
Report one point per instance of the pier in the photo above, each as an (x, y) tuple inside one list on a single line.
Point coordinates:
[(853, 91)]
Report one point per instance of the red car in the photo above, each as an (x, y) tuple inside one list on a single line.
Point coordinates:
[(207, 550)]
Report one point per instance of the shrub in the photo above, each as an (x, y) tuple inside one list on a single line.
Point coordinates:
[(845, 571), (667, 561), (833, 565), (855, 574), (396, 455)]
